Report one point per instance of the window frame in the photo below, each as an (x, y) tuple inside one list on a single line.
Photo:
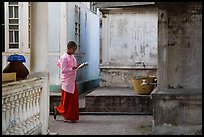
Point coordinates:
[(23, 28), (93, 7), (77, 32)]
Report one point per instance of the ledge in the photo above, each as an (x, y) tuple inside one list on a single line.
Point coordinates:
[(195, 94), (128, 67), (19, 82)]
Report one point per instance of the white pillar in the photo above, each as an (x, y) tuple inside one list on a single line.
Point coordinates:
[(39, 56), (39, 37)]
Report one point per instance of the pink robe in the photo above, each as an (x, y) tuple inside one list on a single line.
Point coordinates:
[(68, 75)]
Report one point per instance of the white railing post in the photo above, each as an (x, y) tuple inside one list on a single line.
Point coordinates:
[(31, 108), (7, 114), (24, 116), (38, 106), (44, 116), (4, 126), (21, 117), (35, 107), (14, 114), (18, 129)]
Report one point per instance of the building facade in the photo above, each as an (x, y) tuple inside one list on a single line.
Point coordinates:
[(77, 21), (40, 32)]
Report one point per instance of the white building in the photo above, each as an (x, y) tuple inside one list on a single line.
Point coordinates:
[(40, 32), (77, 21)]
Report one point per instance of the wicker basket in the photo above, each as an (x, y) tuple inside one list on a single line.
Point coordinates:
[(143, 89)]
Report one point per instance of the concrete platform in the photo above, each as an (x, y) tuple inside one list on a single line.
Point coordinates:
[(177, 112), (103, 125), (111, 100)]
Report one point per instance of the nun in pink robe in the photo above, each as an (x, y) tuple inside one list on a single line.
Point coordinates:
[(69, 106)]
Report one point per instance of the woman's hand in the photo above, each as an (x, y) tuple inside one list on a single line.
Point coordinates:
[(84, 64), (76, 66)]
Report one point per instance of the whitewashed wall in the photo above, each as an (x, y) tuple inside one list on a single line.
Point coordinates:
[(130, 37), (62, 30), (89, 50), (129, 45)]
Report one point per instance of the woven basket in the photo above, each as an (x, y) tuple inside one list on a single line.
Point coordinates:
[(143, 89)]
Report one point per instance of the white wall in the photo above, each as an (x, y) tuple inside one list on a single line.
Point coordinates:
[(130, 37), (89, 40), (62, 30), (54, 41)]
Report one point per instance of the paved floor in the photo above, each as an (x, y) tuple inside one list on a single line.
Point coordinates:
[(103, 125), (90, 124)]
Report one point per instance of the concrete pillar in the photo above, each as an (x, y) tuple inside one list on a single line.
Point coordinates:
[(39, 56), (162, 50), (177, 104), (39, 37)]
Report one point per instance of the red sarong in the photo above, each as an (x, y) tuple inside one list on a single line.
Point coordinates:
[(69, 106)]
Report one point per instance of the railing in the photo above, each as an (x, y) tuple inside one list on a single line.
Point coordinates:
[(21, 107)]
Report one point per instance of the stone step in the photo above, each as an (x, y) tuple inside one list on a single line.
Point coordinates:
[(55, 98), (111, 99)]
